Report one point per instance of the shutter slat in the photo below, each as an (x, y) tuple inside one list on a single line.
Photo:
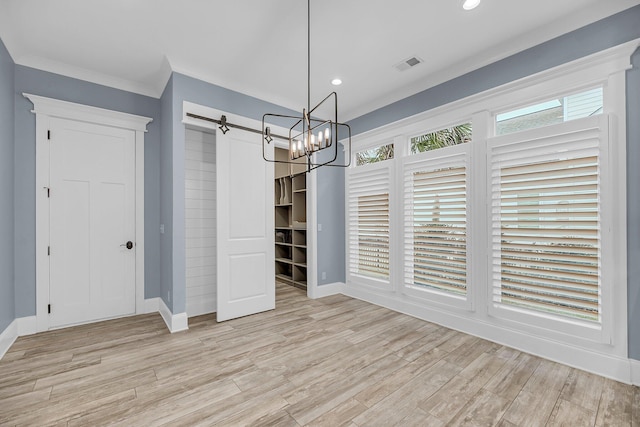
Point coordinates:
[(553, 184), (591, 188), (549, 251), (438, 261), (575, 299), (519, 206), (569, 311), (541, 199), (439, 280), (545, 167), (553, 294), (547, 231), (540, 175), (583, 261), (553, 275), (535, 241)]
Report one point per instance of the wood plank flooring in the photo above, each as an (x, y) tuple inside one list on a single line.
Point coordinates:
[(329, 362)]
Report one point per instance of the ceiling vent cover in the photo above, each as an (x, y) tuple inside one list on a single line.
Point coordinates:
[(408, 63)]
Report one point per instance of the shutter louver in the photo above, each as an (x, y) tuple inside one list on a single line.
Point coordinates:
[(435, 224), (369, 222), (546, 224)]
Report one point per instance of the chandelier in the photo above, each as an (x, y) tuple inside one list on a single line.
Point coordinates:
[(313, 140)]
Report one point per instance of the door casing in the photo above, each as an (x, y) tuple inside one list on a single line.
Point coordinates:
[(189, 107), (45, 109)]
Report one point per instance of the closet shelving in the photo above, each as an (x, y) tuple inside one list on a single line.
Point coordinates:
[(290, 223)]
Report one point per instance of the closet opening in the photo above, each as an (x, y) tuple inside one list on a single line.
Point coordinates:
[(290, 204)]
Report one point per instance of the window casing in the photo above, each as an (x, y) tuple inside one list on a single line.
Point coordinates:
[(606, 334), (597, 346), (546, 225), (368, 222), (435, 221)]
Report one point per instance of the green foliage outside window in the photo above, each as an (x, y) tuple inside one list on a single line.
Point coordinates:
[(374, 155), (443, 138)]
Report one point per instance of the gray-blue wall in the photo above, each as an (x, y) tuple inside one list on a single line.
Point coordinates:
[(51, 85), (7, 297), (606, 33), (183, 88), (331, 215)]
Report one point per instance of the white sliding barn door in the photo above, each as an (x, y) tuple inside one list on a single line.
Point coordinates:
[(92, 217), (246, 272)]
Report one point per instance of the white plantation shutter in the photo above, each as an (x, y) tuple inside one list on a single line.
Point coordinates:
[(546, 222), (435, 223), (368, 221)]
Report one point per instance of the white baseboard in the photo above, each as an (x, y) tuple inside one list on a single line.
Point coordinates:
[(635, 372), (610, 366), (151, 305), (175, 322), (27, 325), (8, 337), (329, 289)]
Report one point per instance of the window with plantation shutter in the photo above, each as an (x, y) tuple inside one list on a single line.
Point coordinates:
[(508, 215), (435, 223), (368, 221), (546, 221)]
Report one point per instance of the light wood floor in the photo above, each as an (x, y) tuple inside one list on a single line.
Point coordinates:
[(335, 361)]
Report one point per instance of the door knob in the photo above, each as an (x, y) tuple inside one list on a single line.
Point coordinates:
[(128, 245)]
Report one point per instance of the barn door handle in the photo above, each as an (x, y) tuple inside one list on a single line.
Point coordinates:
[(128, 245)]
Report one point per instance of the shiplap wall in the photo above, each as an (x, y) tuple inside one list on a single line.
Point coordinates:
[(200, 222)]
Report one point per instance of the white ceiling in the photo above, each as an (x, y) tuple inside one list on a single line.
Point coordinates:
[(259, 47)]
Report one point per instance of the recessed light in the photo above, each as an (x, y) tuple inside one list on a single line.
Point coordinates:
[(336, 82), (470, 4)]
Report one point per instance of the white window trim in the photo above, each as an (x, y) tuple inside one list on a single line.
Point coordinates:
[(435, 296), (600, 333), (45, 109), (372, 282), (606, 69)]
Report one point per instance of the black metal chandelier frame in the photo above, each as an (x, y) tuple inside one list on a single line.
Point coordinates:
[(302, 132)]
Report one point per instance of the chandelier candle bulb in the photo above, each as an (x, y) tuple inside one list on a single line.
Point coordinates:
[(327, 137), (319, 140)]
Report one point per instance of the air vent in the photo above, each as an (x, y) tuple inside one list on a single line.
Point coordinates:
[(408, 63)]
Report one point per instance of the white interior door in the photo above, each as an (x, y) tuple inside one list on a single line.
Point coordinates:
[(92, 217), (246, 271)]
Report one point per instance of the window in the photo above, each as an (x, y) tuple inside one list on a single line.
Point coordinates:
[(435, 224), (447, 137), (546, 222), (368, 222), (374, 155), (515, 229), (571, 107)]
